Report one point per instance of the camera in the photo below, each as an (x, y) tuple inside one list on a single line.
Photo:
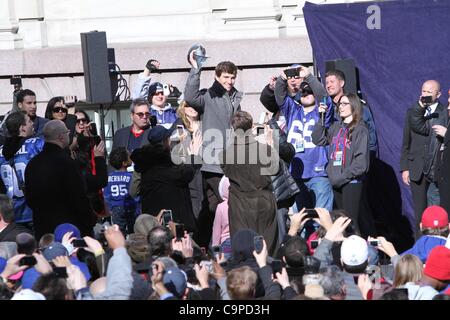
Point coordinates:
[(180, 130), (60, 272), (311, 213), (259, 244), (79, 243), (207, 265), (166, 89), (179, 231), (374, 243), (292, 72), (167, 217), (217, 250), (277, 266), (426, 100)]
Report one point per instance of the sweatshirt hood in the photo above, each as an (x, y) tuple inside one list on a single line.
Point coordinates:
[(224, 186)]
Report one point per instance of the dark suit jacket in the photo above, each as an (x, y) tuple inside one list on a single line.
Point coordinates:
[(56, 192), (11, 231), (122, 136), (413, 151)]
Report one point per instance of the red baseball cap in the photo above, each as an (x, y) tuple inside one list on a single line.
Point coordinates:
[(434, 217)]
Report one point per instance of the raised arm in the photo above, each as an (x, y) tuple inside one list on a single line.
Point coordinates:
[(192, 94)]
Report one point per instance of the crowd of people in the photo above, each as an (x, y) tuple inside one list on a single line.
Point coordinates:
[(199, 201)]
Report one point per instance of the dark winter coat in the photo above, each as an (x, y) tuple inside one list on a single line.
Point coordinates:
[(164, 185), (56, 192)]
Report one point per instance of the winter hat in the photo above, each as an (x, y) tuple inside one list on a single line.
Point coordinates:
[(354, 251), (437, 265), (224, 186), (434, 217), (144, 223), (62, 229), (155, 87)]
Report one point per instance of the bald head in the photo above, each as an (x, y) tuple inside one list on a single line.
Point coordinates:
[(55, 131), (98, 286), (431, 88)]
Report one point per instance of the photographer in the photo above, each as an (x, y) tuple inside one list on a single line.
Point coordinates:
[(308, 165), (420, 147), (88, 150)]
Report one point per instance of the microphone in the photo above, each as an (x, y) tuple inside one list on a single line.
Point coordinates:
[(323, 103)]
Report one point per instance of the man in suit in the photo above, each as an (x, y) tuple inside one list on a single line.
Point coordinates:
[(134, 136), (419, 149), (54, 187)]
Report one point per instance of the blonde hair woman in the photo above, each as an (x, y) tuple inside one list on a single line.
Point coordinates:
[(408, 269)]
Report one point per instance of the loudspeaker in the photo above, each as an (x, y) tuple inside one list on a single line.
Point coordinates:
[(96, 69), (112, 72), (347, 66)]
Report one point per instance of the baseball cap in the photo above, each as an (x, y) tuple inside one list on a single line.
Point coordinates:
[(434, 217), (158, 134), (175, 281), (55, 249), (354, 251)]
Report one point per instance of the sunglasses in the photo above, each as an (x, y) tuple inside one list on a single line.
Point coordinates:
[(142, 114), (294, 77), (59, 109), (82, 120), (159, 93)]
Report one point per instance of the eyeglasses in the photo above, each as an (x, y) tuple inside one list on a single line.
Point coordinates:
[(82, 120), (344, 104), (59, 109), (142, 114)]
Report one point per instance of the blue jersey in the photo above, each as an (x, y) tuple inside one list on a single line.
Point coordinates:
[(165, 117), (310, 160), (117, 192), (29, 149)]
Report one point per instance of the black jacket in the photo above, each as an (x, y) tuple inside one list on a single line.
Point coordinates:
[(164, 185), (122, 136), (422, 125), (56, 192), (280, 185), (267, 99), (11, 231)]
